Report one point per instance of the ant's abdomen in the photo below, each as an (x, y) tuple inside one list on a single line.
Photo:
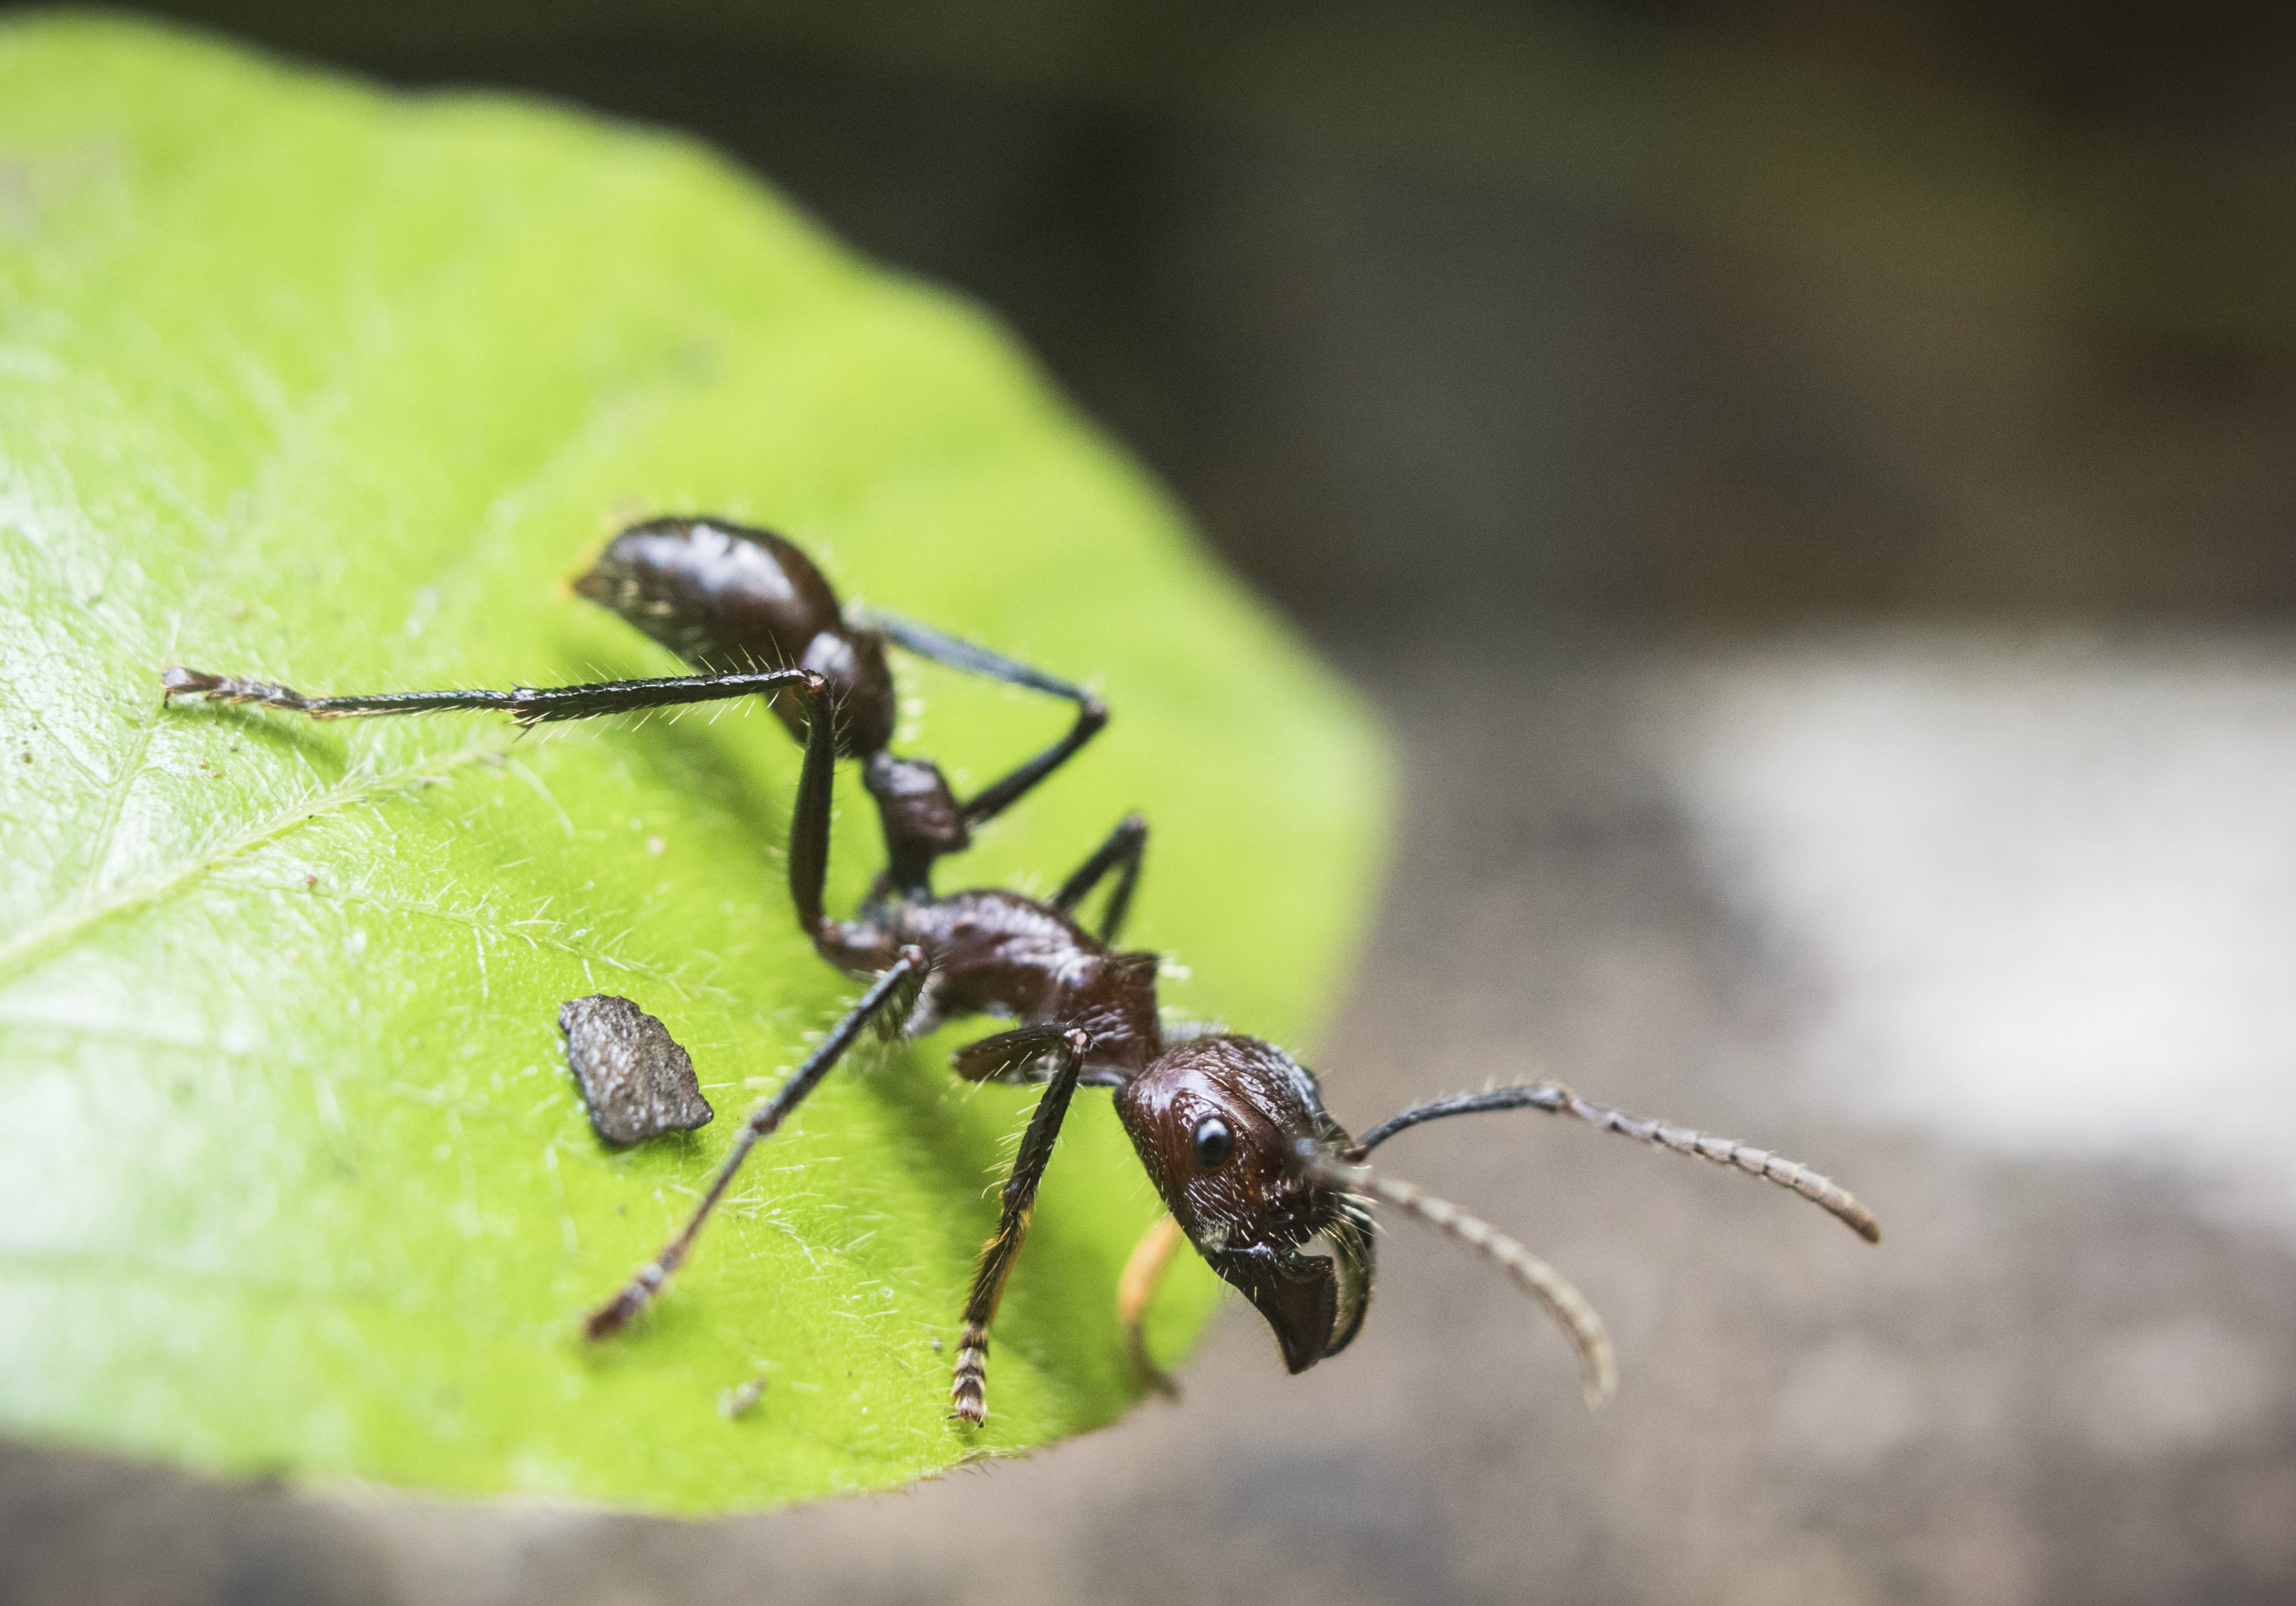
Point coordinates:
[(728, 599)]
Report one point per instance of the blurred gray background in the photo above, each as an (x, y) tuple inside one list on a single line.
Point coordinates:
[(1811, 487)]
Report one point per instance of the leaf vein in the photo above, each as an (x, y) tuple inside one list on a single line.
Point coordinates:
[(480, 923), (89, 910), (115, 795)]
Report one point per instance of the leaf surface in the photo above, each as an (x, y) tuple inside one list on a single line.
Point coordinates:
[(337, 388)]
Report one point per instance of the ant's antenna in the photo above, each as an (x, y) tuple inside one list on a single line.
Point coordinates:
[(1554, 1099), (1598, 1370)]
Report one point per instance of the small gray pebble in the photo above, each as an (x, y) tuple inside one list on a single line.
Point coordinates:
[(638, 1081)]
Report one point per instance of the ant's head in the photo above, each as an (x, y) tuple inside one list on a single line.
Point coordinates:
[(1233, 1132), (1220, 1123)]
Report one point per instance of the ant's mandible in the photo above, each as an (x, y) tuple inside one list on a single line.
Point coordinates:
[(1231, 1129)]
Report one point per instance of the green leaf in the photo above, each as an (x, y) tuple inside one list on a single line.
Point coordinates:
[(301, 379)]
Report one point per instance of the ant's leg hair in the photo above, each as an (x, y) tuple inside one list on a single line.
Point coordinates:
[(1135, 1292), (1598, 1370), (1091, 713), (616, 1313), (527, 705), (1009, 1056), (1554, 1099), (1120, 853), (968, 1394)]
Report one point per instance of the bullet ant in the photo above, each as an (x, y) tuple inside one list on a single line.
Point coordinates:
[(1231, 1129)]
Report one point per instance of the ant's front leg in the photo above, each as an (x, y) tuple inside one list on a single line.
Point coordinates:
[(1091, 713), (527, 705), (969, 1395)]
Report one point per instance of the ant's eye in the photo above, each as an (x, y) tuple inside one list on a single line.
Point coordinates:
[(1214, 1143)]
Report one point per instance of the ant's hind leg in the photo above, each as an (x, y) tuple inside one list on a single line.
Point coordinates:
[(809, 838), (947, 649), (968, 1394), (527, 705), (1120, 853), (854, 947), (615, 1313)]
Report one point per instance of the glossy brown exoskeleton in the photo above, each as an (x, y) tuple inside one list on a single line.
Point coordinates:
[(726, 599), (1231, 1130)]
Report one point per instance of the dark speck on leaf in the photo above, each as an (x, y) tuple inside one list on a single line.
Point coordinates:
[(638, 1081)]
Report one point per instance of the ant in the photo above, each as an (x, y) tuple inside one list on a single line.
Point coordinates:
[(754, 614), (1231, 1129)]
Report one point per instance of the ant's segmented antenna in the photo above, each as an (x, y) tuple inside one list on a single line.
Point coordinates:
[(1598, 1369), (1822, 1192), (1554, 1099)]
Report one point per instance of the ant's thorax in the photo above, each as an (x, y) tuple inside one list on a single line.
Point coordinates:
[(993, 952)]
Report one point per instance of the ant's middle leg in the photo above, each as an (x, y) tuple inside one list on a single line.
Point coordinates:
[(1091, 713), (527, 705), (1120, 853), (615, 1313)]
